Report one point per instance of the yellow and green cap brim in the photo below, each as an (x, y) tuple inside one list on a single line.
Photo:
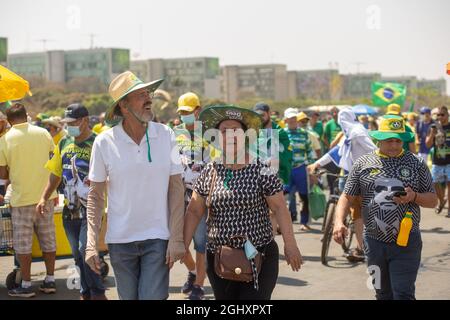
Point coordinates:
[(110, 118), (380, 136), (213, 115)]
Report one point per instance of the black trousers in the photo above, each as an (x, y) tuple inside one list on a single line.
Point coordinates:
[(234, 290)]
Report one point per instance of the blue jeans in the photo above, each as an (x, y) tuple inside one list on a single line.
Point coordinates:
[(140, 269), (91, 284), (299, 183), (398, 266), (440, 174)]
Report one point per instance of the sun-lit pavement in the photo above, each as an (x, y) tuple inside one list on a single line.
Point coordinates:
[(339, 280)]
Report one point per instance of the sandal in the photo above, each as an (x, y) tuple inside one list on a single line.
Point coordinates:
[(356, 255), (305, 227), (440, 207)]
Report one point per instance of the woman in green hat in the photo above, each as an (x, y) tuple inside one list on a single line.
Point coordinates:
[(239, 193), (393, 184)]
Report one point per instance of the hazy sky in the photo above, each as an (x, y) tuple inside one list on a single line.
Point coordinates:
[(394, 37)]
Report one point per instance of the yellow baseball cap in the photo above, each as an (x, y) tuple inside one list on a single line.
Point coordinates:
[(391, 127), (393, 109), (188, 102), (302, 116)]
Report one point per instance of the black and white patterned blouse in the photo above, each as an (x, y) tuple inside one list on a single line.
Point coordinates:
[(238, 204), (375, 177)]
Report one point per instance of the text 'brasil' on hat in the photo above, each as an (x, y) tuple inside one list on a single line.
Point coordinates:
[(213, 115), (122, 85), (391, 127), (188, 102)]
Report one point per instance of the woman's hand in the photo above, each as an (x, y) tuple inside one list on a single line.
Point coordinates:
[(293, 256), (410, 195), (340, 232)]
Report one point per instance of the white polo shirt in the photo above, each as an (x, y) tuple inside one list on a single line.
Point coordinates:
[(137, 188)]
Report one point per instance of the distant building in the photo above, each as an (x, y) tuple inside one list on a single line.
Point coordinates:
[(315, 84), (63, 66), (265, 81), (200, 75), (439, 85), (358, 85)]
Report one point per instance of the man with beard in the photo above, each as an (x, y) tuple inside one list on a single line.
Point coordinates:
[(141, 161)]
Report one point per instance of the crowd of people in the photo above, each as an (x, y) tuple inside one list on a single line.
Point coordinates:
[(166, 186)]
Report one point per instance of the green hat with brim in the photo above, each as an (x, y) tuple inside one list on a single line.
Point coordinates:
[(122, 85), (213, 115), (392, 127)]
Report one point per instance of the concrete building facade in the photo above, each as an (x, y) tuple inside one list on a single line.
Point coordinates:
[(199, 74), (265, 81), (63, 66)]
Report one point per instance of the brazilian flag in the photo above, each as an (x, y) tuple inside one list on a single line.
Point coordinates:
[(385, 93)]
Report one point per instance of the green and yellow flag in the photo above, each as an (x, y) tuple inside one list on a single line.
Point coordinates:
[(385, 93)]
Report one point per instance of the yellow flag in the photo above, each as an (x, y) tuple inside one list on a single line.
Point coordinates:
[(12, 86)]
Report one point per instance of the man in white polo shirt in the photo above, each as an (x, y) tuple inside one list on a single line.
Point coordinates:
[(140, 160)]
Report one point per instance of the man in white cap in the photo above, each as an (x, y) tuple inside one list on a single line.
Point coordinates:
[(141, 161)]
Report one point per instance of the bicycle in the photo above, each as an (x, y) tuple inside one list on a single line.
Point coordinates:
[(328, 221)]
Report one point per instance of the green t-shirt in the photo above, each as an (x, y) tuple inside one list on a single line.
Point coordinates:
[(318, 128), (332, 128), (406, 143)]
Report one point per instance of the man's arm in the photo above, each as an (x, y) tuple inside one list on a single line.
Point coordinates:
[(53, 183), (429, 141), (175, 248), (95, 208)]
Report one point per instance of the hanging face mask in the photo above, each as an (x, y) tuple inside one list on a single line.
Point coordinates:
[(73, 131), (250, 250), (189, 119)]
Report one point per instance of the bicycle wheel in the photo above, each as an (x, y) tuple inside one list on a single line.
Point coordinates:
[(328, 233), (346, 245), (325, 215)]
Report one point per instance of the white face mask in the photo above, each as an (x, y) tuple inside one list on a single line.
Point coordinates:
[(189, 119), (73, 131)]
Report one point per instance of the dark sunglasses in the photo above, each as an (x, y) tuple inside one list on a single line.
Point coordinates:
[(441, 114)]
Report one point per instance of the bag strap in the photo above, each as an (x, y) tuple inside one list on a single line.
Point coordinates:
[(211, 190)]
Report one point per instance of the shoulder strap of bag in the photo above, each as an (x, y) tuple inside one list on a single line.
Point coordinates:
[(211, 190)]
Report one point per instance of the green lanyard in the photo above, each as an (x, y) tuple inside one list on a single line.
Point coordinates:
[(228, 177), (148, 145)]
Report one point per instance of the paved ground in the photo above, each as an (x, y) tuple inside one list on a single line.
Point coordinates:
[(339, 280)]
